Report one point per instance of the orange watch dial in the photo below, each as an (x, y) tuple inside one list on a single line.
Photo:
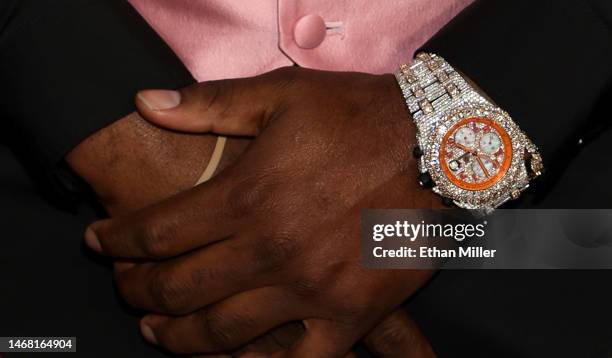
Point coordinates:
[(475, 153)]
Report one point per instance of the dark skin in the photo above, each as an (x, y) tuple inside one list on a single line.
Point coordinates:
[(131, 164), (274, 237)]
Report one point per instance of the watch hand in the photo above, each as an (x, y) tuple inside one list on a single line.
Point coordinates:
[(463, 147), (462, 156), (482, 166)]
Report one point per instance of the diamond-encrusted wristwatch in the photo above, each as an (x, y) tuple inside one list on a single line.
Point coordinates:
[(469, 150)]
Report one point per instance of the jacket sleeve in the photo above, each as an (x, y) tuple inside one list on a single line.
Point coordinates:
[(547, 62), (69, 68)]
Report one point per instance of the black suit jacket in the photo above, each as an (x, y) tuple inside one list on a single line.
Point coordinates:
[(549, 63)]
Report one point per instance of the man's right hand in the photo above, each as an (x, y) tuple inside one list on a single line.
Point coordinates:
[(377, 135)]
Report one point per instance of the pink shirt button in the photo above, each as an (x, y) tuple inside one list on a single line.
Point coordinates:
[(309, 31)]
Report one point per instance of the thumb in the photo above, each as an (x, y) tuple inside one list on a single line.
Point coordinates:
[(238, 107)]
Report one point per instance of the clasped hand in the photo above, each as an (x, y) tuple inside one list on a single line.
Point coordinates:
[(273, 238)]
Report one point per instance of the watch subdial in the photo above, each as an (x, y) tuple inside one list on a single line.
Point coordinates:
[(483, 168), (490, 143), (465, 136)]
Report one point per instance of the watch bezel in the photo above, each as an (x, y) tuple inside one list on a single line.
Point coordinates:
[(505, 164), (515, 177)]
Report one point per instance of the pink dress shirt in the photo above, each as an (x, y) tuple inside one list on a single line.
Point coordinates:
[(239, 38)]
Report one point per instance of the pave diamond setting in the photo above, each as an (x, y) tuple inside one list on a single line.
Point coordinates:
[(514, 178), (439, 99)]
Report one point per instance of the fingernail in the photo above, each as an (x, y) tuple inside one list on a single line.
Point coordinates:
[(158, 100), (147, 333), (91, 239)]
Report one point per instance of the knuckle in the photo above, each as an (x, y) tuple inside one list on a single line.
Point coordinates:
[(361, 303), (352, 314), (219, 329), (308, 287), (273, 252), (341, 282), (389, 336), (218, 97), (358, 309), (170, 292), (207, 275), (248, 195), (157, 238), (240, 203), (283, 83)]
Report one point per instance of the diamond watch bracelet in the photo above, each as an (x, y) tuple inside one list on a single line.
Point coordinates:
[(469, 150)]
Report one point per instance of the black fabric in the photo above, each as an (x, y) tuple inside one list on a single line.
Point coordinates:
[(547, 62), (51, 284), (69, 68), (51, 288), (530, 313)]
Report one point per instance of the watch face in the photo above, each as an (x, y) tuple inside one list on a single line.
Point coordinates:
[(475, 153)]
